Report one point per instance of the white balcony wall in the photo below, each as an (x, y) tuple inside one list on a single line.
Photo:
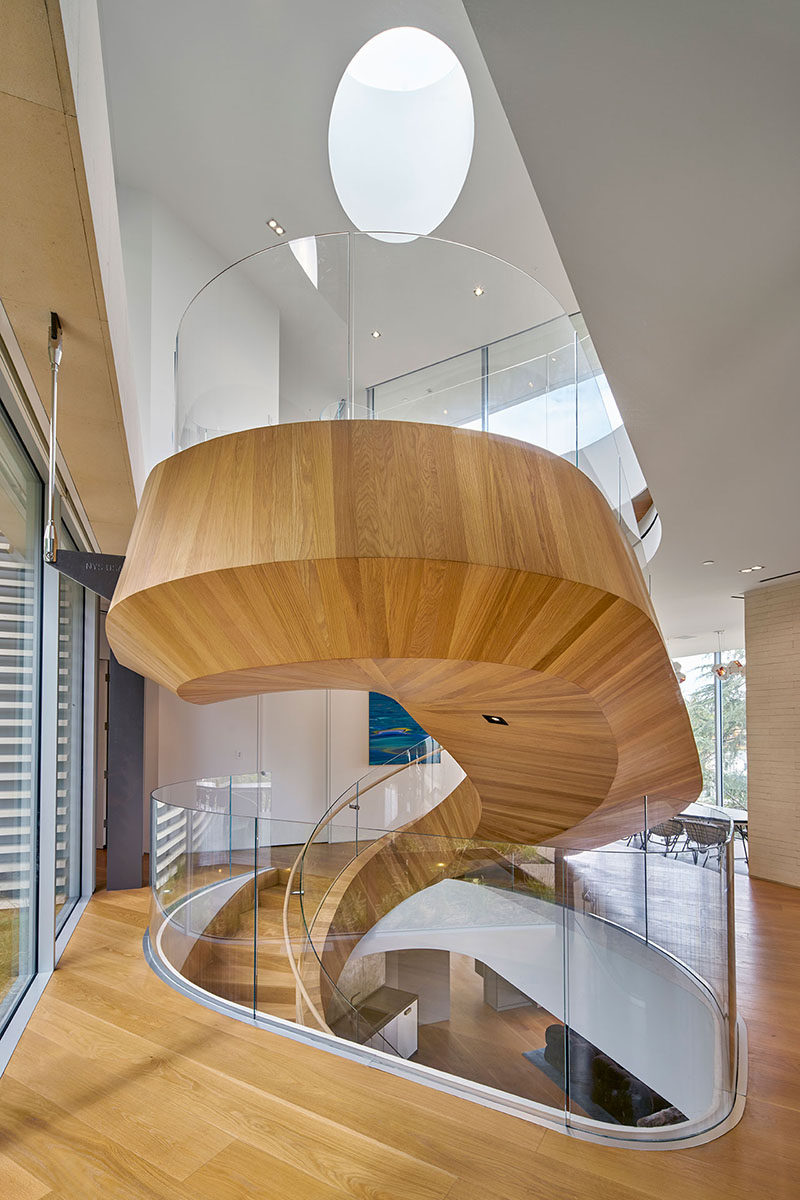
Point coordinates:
[(234, 349)]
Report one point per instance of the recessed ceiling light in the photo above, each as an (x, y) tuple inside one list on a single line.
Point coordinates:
[(444, 412), (276, 227), (758, 568), (494, 720), (376, 333), (745, 570), (708, 562), (477, 291)]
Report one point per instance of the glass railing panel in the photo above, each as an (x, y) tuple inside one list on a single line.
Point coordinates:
[(446, 393), (531, 387), (598, 455), (445, 931), (627, 515), (481, 345), (608, 998), (686, 873), (468, 300), (595, 983), (251, 795), (400, 791), (690, 920), (242, 356), (383, 340), (566, 938), (203, 871)]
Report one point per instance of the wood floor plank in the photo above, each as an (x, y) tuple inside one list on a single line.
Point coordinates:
[(241, 1170), (165, 1086), (111, 1052), (295, 1069), (758, 1160), (120, 1099), (18, 1184), (57, 1147)]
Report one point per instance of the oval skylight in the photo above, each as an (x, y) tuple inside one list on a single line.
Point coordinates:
[(401, 133)]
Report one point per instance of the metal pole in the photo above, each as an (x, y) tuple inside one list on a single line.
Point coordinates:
[(730, 909), (485, 389), (719, 789), (54, 351), (577, 419), (351, 378)]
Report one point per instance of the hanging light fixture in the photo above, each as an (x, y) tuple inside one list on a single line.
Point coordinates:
[(719, 669), (725, 670)]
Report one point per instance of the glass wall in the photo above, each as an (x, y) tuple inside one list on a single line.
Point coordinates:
[(698, 693), (20, 637), (734, 732), (44, 710), (708, 694), (69, 758)]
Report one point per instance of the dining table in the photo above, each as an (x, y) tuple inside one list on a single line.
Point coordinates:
[(720, 815)]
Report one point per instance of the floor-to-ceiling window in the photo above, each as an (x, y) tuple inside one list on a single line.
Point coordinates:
[(698, 692), (734, 731), (47, 713), (69, 759), (716, 704), (20, 640)]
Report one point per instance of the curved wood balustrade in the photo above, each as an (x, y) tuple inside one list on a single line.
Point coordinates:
[(459, 572), (380, 877)]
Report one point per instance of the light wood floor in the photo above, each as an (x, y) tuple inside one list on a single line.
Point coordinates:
[(487, 1046), (121, 1089)]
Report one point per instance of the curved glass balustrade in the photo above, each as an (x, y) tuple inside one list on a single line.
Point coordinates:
[(589, 990), (345, 325)]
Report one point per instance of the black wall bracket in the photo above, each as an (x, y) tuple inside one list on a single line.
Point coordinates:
[(97, 572)]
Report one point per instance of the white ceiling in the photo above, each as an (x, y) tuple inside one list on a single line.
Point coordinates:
[(222, 113), (664, 144)]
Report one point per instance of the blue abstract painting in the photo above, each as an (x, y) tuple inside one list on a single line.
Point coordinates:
[(391, 730)]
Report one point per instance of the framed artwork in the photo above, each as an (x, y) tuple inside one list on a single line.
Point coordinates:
[(391, 730)]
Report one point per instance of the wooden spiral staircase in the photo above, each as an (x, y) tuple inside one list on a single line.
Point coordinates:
[(463, 574)]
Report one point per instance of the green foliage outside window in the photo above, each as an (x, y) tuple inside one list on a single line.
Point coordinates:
[(699, 696)]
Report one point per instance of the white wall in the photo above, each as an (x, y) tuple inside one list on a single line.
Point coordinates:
[(349, 739), (196, 740), (293, 750), (84, 52), (230, 354), (314, 744)]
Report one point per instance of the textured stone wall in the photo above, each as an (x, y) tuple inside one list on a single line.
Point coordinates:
[(772, 642)]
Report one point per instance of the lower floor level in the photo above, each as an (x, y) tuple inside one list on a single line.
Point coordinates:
[(120, 1088)]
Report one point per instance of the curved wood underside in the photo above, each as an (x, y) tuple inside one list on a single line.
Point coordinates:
[(458, 572)]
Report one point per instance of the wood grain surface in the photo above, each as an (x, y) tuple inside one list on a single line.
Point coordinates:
[(458, 572), (124, 1089)]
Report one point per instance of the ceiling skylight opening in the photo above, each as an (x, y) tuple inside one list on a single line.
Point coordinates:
[(402, 60), (401, 133)]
